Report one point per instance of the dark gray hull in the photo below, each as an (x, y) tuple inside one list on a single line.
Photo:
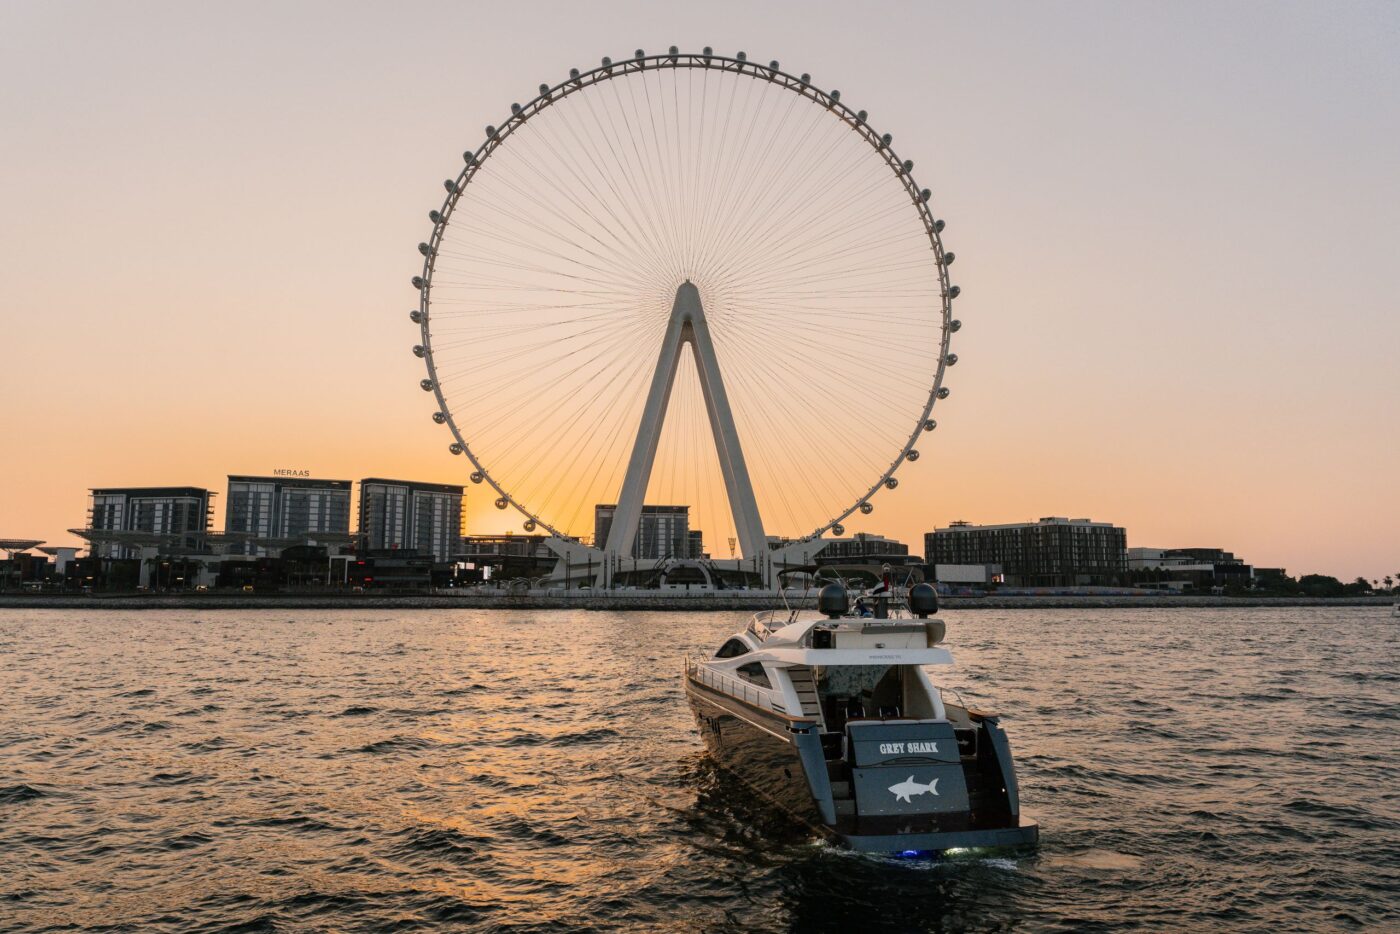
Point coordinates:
[(869, 800)]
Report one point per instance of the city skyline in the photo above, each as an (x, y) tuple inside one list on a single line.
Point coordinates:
[(1140, 346)]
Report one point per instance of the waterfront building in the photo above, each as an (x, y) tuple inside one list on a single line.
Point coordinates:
[(1054, 552), (507, 556), (865, 545), (294, 508), (178, 512), (662, 531), (968, 573), (1200, 568), (696, 544), (426, 517)]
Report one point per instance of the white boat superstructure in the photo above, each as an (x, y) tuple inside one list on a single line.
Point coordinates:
[(886, 762)]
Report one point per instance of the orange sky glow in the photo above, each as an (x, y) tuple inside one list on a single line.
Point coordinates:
[(1174, 230)]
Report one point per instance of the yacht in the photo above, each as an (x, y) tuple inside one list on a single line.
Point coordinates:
[(832, 716)]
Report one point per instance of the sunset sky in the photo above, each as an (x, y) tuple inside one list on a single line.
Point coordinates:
[(1175, 227)]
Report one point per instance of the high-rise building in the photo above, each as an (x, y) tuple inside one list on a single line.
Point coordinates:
[(662, 531), (426, 517), (180, 512), (1053, 552), (286, 508)]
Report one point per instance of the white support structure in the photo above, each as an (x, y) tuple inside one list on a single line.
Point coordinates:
[(687, 326)]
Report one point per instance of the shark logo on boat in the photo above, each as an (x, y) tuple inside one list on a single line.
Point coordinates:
[(906, 789)]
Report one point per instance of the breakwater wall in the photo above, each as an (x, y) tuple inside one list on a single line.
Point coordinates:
[(616, 601)]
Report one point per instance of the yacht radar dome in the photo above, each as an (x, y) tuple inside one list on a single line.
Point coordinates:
[(833, 601)]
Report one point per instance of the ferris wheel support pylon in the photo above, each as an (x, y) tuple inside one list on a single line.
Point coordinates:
[(687, 326)]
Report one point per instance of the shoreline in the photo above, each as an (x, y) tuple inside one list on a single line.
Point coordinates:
[(625, 601)]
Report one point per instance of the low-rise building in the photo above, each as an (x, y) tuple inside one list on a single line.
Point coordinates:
[(497, 557), (968, 573), (1187, 568), (862, 545)]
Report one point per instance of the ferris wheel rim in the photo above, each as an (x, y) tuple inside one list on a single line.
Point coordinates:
[(738, 64)]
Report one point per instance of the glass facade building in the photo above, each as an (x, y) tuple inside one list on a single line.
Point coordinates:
[(159, 510), (426, 517), (285, 508), (662, 531)]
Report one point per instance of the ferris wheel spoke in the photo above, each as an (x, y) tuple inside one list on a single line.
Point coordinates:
[(553, 276)]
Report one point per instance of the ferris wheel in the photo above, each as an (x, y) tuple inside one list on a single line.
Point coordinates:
[(688, 279)]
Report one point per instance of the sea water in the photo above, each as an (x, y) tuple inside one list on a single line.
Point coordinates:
[(1208, 769)]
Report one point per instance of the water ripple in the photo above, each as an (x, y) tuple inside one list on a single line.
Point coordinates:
[(245, 771)]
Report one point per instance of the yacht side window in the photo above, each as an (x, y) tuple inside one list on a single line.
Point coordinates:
[(731, 649), (754, 673)]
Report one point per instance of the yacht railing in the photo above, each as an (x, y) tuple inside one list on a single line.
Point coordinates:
[(737, 688)]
